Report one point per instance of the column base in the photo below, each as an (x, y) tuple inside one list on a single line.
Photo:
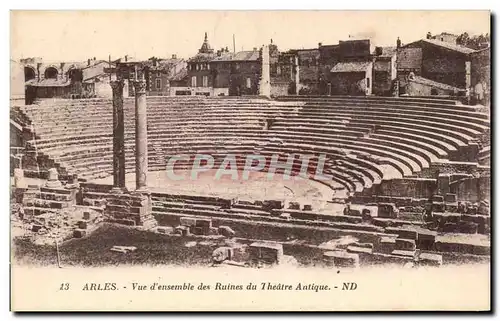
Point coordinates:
[(53, 184), (119, 190), (143, 190)]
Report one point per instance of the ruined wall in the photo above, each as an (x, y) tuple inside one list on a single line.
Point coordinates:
[(443, 65), (481, 76), (407, 187), (418, 89), (348, 83)]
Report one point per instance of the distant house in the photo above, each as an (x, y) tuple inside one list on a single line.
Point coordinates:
[(436, 60), (442, 62), (239, 72), (160, 74), (446, 37), (347, 68), (384, 70), (95, 76), (307, 69), (61, 79)]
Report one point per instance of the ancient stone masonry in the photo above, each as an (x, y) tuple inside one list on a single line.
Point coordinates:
[(50, 198), (297, 74), (141, 136), (265, 83), (118, 136), (132, 209)]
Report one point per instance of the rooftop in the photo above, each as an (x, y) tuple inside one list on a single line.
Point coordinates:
[(249, 55), (354, 66), (180, 75), (425, 81), (388, 51), (444, 44)]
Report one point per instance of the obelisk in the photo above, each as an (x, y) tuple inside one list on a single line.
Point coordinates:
[(265, 79)]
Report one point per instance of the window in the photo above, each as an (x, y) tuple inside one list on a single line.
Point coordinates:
[(237, 66), (208, 66), (193, 81), (205, 81), (158, 83), (197, 67), (278, 70), (249, 83), (367, 82), (158, 74)]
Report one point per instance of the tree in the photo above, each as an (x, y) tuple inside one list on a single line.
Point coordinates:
[(463, 39)]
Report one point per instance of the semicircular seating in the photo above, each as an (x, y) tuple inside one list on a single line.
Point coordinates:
[(366, 139)]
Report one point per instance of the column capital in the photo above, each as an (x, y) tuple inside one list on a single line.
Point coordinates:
[(140, 86), (117, 84)]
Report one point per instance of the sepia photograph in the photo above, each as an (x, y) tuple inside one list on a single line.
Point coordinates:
[(250, 160)]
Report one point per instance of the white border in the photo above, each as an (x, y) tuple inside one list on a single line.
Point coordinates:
[(186, 4)]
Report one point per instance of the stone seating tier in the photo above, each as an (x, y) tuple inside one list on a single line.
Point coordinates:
[(408, 134)]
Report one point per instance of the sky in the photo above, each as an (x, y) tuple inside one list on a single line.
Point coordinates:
[(79, 35)]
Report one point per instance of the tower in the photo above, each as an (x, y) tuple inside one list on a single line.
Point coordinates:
[(205, 47)]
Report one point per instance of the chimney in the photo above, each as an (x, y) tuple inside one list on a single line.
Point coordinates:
[(174, 56), (255, 48), (94, 59), (320, 44), (398, 43), (88, 62), (126, 58)]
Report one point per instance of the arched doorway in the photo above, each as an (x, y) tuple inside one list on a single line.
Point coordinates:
[(29, 73), (51, 73), (75, 75)]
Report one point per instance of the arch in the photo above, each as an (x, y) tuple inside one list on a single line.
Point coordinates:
[(51, 73), (29, 73), (74, 74), (68, 68)]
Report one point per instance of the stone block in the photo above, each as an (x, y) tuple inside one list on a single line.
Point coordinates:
[(429, 259), (405, 244), (82, 225), (307, 207), (387, 245), (79, 233)]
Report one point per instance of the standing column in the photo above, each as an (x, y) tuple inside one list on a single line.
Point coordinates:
[(467, 80), (118, 136), (297, 74), (141, 136), (265, 78)]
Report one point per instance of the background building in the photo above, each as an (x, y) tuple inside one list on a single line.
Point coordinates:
[(62, 79), (161, 74), (434, 67)]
